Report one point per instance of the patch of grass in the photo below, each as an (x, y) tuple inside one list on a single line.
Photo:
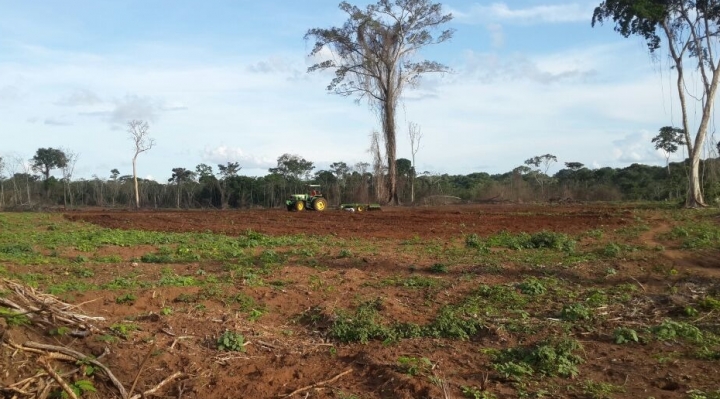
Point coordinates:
[(575, 312), (361, 326), (543, 239), (600, 390), (548, 358), (532, 286), (438, 268), (698, 394), (414, 366), (126, 299), (13, 318), (697, 235), (709, 303), (123, 330), (671, 330), (475, 393)]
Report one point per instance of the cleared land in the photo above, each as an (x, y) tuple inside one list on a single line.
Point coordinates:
[(492, 301)]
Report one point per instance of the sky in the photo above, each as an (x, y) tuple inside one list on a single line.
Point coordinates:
[(226, 81)]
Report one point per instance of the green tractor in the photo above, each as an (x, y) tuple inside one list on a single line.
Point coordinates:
[(313, 200)]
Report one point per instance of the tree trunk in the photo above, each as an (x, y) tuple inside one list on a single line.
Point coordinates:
[(177, 202), (135, 183), (388, 118)]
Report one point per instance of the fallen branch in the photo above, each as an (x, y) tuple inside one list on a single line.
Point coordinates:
[(140, 370), (158, 386), (45, 365), (318, 384), (81, 357)]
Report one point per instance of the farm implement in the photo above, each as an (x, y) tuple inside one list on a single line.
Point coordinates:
[(360, 207)]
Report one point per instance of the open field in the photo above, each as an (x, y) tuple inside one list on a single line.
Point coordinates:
[(491, 301)]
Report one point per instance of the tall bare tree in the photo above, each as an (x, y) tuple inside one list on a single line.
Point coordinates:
[(691, 30), (373, 58), (67, 171), (415, 135), (378, 165), (138, 130)]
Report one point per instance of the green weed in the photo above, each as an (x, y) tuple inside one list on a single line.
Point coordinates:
[(623, 335), (231, 341), (549, 358)]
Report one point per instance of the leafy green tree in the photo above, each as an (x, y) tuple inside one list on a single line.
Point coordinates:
[(292, 167), (574, 166), (180, 176), (541, 174), (373, 58), (691, 32), (227, 172), (668, 141), (47, 159)]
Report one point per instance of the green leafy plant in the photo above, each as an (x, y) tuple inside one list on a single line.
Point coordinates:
[(78, 387), (125, 299), (231, 341), (600, 390), (473, 241), (123, 329), (414, 366), (532, 286), (625, 335), (575, 312), (476, 393), (438, 268), (670, 330), (550, 358), (13, 318)]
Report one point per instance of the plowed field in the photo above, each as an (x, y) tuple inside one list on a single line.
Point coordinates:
[(472, 301)]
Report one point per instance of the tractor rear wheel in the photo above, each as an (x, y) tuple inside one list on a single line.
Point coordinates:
[(319, 204), (300, 206)]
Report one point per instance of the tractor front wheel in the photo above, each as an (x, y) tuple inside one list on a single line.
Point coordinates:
[(360, 208), (300, 206), (319, 204), (291, 207)]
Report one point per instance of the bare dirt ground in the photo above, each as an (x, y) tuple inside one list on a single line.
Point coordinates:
[(391, 222), (287, 348)]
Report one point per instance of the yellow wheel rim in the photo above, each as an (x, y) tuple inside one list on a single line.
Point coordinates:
[(320, 205)]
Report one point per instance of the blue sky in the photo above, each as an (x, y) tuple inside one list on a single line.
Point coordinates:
[(226, 81)]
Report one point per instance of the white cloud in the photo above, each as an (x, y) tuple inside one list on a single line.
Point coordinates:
[(78, 98), (9, 94), (636, 148), (57, 121), (550, 13), (497, 36), (490, 67), (223, 154)]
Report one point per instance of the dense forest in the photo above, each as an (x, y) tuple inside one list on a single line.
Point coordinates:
[(226, 187)]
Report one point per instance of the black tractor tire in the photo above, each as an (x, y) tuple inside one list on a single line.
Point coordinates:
[(319, 204), (291, 207)]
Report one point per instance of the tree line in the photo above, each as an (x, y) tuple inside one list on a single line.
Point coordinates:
[(223, 186)]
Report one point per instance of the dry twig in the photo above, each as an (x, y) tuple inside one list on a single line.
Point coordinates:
[(45, 365), (318, 384)]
